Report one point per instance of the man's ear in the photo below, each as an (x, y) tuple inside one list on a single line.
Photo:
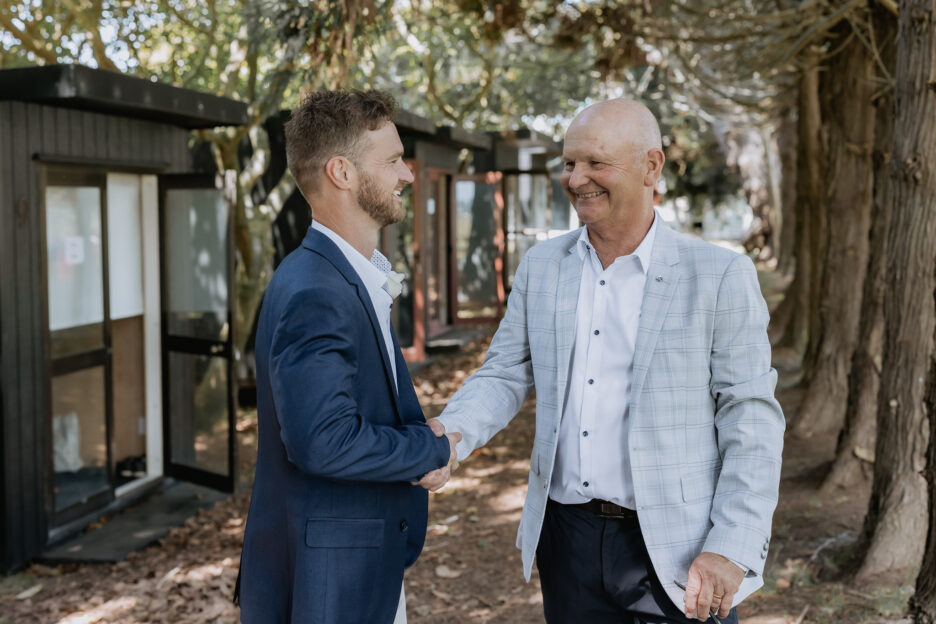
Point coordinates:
[(340, 172), (655, 160)]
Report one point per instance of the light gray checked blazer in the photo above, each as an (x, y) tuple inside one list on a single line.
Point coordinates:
[(707, 432)]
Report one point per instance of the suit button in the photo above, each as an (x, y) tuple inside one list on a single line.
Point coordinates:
[(763, 555), (403, 526)]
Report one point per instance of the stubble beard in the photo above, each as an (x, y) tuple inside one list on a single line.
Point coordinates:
[(380, 207)]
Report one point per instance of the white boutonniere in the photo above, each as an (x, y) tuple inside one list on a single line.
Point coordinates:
[(395, 283)]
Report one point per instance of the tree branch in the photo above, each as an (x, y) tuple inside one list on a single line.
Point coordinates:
[(817, 30), (37, 46), (91, 25)]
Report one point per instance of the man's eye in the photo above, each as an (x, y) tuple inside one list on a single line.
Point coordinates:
[(570, 166), (596, 163)]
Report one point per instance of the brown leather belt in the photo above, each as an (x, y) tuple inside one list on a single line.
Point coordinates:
[(604, 509)]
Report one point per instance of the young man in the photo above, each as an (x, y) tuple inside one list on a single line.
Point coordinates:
[(334, 517)]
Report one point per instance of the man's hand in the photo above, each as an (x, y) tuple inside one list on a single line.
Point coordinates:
[(435, 479), (713, 582), (439, 429)]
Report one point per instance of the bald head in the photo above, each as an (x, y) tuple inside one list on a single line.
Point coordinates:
[(613, 158), (624, 122)]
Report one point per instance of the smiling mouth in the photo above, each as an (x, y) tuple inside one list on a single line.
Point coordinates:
[(591, 195)]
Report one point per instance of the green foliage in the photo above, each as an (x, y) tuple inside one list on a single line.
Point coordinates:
[(478, 65), (893, 601)]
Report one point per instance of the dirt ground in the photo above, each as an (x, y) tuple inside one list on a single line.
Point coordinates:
[(469, 571)]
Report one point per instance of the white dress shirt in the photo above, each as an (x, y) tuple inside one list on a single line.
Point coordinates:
[(375, 280), (591, 458)]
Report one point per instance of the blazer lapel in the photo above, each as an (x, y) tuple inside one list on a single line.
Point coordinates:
[(322, 245), (662, 278), (567, 292)]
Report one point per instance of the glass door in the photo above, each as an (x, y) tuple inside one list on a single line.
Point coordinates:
[(436, 252), (477, 257), (79, 341), (527, 217), (198, 388)]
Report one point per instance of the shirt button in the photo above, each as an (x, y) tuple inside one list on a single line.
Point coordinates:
[(403, 526), (602, 282), (597, 332), (585, 484), (585, 434), (591, 381)]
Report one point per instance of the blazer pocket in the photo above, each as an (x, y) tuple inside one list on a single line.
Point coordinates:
[(698, 487), (542, 450), (344, 533)]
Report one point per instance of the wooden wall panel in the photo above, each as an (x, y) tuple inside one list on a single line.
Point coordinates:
[(35, 516), (76, 146), (10, 490), (38, 403), (28, 130)]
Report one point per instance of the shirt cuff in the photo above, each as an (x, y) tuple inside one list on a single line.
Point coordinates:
[(743, 567)]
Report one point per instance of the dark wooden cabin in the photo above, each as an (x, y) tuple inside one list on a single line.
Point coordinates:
[(115, 292)]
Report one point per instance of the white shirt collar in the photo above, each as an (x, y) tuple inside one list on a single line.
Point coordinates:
[(373, 278), (643, 252)]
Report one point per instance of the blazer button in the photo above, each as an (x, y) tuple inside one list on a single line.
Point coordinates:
[(403, 526), (763, 554)]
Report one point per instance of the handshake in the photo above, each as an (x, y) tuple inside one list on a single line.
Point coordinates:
[(435, 479)]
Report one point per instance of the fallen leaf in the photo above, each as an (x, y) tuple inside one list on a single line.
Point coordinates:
[(442, 595), (29, 593), (443, 571)]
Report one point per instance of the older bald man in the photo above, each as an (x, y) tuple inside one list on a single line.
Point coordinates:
[(656, 460)]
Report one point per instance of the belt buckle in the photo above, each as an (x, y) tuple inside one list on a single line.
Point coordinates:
[(610, 510)]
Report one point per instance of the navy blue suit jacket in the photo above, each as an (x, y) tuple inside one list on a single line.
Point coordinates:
[(333, 519)]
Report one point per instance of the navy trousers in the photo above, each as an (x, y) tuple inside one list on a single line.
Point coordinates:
[(597, 570)]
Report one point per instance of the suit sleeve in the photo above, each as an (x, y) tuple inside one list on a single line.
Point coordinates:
[(748, 420), (492, 396), (313, 365)]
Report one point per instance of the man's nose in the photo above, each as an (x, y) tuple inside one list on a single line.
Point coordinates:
[(576, 177), (406, 175)]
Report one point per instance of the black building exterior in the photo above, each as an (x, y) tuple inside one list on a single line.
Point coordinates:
[(115, 291)]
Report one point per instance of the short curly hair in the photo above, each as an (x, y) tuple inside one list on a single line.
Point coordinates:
[(332, 123)]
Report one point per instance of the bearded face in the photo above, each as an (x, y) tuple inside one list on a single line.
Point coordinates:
[(383, 205)]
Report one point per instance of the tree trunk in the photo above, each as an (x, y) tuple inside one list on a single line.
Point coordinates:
[(810, 220), (786, 143), (856, 440), (896, 524), (774, 214), (814, 171), (850, 113)]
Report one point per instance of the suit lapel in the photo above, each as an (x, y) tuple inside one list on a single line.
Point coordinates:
[(567, 292), (319, 243), (410, 410), (662, 278)]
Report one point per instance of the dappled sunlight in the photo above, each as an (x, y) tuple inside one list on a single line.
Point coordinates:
[(205, 572), (487, 471), (463, 482), (509, 499), (771, 618), (110, 611)]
